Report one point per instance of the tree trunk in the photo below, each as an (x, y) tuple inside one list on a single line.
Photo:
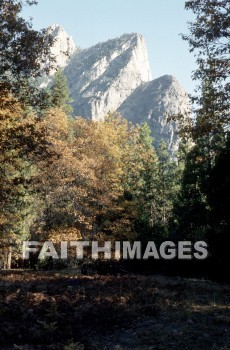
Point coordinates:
[(9, 257)]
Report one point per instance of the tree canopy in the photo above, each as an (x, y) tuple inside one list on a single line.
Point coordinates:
[(24, 53)]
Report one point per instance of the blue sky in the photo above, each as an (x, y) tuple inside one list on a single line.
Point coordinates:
[(159, 21)]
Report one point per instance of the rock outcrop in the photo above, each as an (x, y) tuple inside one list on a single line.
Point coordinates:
[(115, 76), (103, 76), (154, 102), (63, 47)]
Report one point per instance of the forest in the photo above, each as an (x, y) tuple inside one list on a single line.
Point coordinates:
[(65, 178)]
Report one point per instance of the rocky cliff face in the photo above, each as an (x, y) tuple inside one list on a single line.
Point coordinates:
[(153, 102), (115, 75), (63, 46), (62, 49), (103, 76)]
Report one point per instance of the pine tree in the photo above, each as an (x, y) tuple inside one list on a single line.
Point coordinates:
[(60, 93), (204, 176), (208, 39)]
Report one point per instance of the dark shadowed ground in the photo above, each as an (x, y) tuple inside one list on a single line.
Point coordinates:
[(60, 310)]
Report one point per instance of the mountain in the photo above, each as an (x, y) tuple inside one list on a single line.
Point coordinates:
[(153, 102), (115, 76), (102, 77), (63, 46), (62, 49)]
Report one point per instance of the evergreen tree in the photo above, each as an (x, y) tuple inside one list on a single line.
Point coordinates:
[(191, 210), (144, 183), (204, 176), (60, 93), (209, 40)]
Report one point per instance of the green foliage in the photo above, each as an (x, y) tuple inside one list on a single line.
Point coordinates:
[(24, 54), (60, 93), (201, 208), (208, 39), (153, 186)]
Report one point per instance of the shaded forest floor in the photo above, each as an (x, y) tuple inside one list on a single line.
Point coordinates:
[(60, 310)]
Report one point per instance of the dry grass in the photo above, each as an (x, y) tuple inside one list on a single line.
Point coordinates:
[(48, 310)]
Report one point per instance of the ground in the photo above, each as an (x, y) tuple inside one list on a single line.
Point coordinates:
[(61, 310)]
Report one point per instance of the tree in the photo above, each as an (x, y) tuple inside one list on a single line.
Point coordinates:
[(60, 93), (24, 54), (22, 145), (167, 184), (205, 176), (141, 174), (209, 40), (191, 210), (103, 148)]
